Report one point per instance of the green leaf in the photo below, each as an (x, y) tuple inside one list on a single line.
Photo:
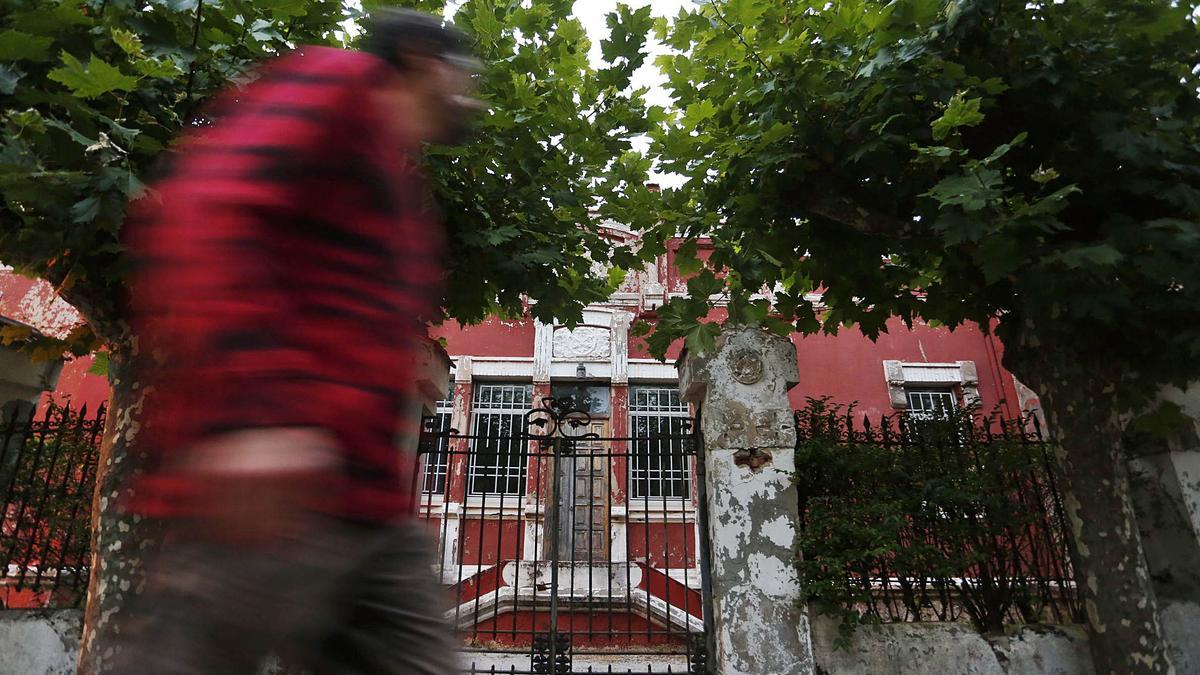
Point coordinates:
[(1165, 419), (686, 261), (702, 338), (129, 43), (85, 210), (283, 8), (96, 79), (18, 46), (99, 364), (960, 112), (616, 277), (1044, 175), (1003, 149), (1099, 255), (972, 191), (698, 112)]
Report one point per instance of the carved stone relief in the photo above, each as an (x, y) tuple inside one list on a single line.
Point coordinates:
[(585, 342), (741, 428), (746, 366)]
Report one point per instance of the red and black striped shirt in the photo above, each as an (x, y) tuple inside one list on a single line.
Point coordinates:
[(283, 266)]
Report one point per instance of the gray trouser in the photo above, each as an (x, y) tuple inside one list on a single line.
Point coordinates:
[(327, 597)]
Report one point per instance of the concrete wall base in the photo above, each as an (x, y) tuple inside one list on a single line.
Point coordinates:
[(39, 642), (903, 648), (46, 642)]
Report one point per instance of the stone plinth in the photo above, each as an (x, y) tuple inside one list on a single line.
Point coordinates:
[(740, 390)]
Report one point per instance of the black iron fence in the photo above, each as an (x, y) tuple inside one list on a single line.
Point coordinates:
[(47, 474), (948, 517), (568, 545)]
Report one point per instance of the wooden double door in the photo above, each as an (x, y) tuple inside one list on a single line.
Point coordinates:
[(582, 495)]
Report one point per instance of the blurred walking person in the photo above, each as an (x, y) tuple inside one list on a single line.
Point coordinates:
[(286, 262)]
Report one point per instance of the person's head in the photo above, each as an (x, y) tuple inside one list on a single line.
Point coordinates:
[(432, 88)]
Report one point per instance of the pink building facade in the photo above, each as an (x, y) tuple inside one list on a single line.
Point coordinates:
[(619, 513)]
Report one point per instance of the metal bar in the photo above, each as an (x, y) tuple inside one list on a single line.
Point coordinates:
[(73, 438), (554, 515), (704, 545), (25, 498)]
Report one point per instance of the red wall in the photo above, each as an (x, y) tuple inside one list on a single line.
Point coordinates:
[(494, 337), (77, 386), (849, 367), (663, 545), (482, 542)]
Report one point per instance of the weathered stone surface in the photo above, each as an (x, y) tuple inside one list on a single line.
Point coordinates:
[(39, 642), (749, 438), (903, 648), (1165, 478)]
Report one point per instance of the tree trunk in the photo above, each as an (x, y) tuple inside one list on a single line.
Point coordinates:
[(118, 540), (1164, 465), (1078, 400)]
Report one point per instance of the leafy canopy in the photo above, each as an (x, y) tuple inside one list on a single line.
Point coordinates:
[(93, 92), (954, 161)]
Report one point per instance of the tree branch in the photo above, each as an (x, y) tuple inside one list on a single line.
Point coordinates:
[(195, 41), (854, 215), (742, 40)]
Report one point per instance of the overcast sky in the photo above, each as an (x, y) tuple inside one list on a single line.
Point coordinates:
[(591, 14)]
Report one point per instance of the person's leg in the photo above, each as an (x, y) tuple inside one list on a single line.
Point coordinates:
[(393, 617), (219, 607), (190, 618)]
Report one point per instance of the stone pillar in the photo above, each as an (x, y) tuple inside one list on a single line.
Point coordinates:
[(543, 354), (740, 391), (456, 469), (1165, 479), (430, 368)]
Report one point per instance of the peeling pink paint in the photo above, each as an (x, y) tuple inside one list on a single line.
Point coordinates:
[(34, 302)]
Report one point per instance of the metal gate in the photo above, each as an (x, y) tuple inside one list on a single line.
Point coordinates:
[(565, 548)]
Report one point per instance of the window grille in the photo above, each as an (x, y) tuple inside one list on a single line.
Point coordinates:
[(498, 457), (658, 467), (437, 462), (931, 403)]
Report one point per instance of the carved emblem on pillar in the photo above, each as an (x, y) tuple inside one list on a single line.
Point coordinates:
[(746, 366)]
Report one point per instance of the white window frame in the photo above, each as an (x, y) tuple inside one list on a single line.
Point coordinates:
[(901, 376), (923, 402), (436, 470), (504, 420), (674, 480)]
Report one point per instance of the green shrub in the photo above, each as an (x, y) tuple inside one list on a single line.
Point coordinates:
[(910, 519)]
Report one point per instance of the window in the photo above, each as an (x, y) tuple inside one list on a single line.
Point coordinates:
[(437, 462), (931, 403), (498, 458), (920, 386), (658, 467)]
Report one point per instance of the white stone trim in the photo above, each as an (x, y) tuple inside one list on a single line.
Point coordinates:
[(568, 370), (902, 374), (525, 368), (543, 352), (462, 368), (620, 346), (650, 370), (506, 368)]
